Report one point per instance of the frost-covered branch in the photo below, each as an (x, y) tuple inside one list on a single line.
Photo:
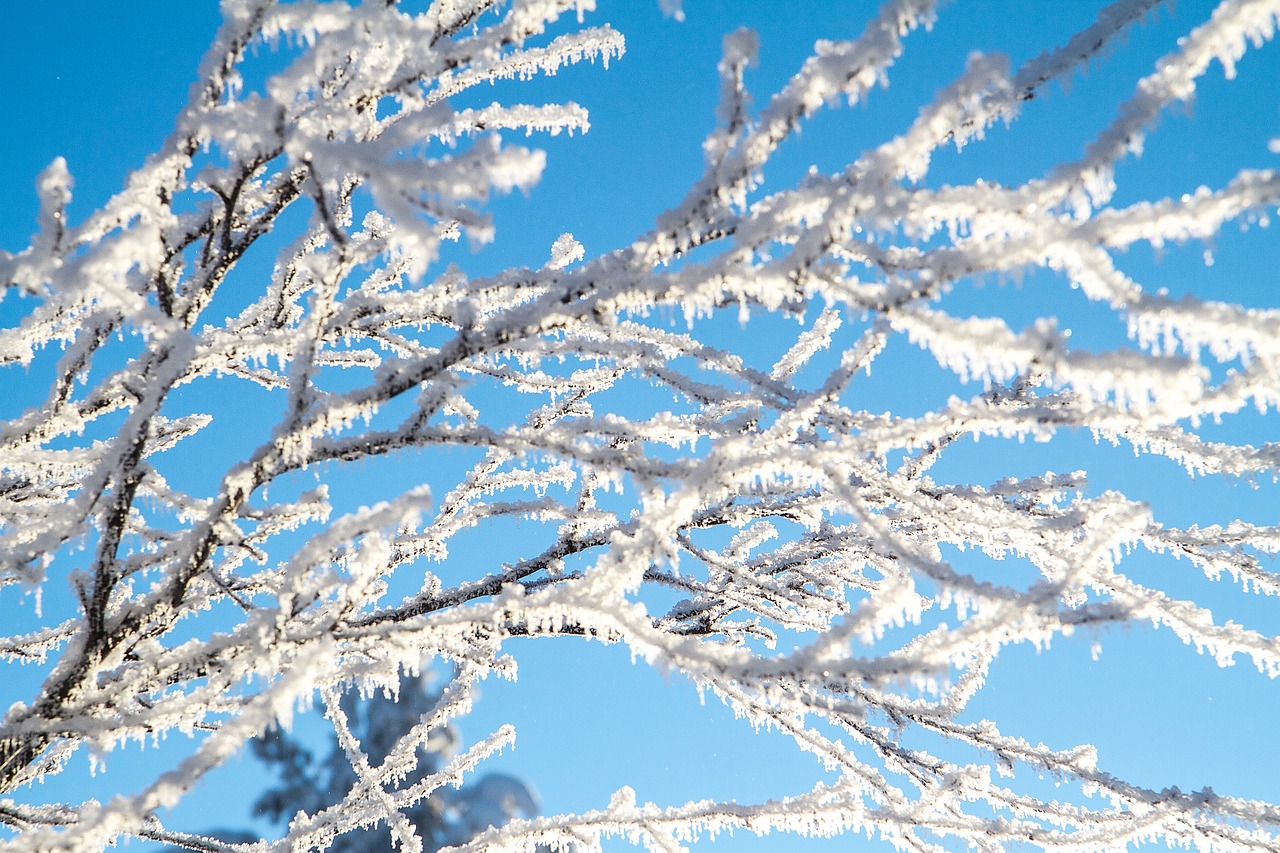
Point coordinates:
[(830, 574)]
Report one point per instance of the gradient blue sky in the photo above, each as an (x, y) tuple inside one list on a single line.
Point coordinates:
[(99, 81)]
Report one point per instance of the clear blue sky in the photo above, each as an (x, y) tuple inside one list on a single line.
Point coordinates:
[(99, 82)]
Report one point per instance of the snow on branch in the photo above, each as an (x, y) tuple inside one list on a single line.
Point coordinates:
[(213, 572)]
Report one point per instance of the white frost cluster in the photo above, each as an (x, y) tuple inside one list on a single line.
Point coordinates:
[(799, 525)]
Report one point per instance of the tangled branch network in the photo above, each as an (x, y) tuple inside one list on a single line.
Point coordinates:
[(748, 516)]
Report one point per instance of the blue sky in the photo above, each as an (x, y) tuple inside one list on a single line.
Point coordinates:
[(100, 83)]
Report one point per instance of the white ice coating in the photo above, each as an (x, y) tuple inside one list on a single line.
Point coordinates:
[(796, 520)]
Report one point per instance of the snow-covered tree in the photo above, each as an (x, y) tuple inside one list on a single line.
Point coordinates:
[(731, 506), (310, 784)]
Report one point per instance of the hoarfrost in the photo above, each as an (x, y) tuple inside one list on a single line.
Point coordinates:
[(828, 574)]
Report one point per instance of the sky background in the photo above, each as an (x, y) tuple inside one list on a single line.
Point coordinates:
[(100, 82)]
